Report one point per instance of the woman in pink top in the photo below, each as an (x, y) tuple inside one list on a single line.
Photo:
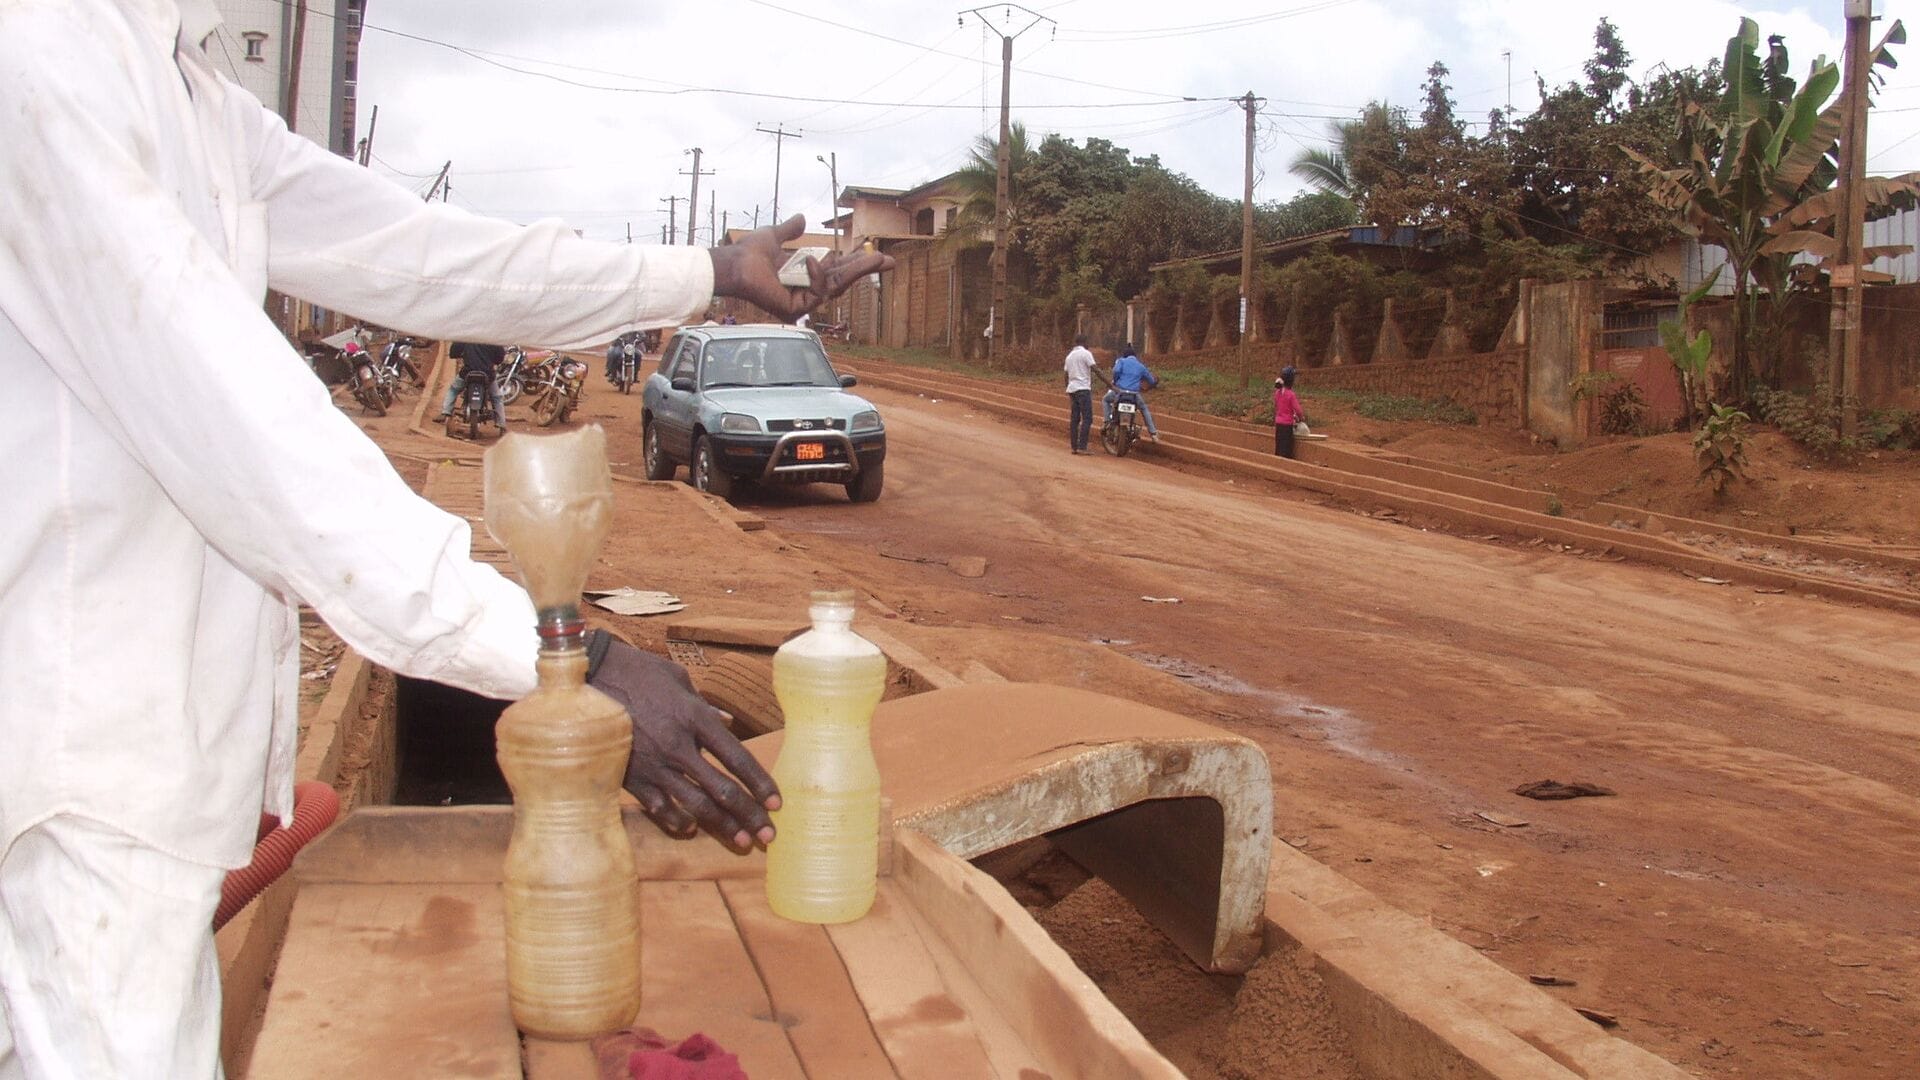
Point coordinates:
[(1286, 413)]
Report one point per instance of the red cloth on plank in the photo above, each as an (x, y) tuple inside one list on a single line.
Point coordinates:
[(643, 1054)]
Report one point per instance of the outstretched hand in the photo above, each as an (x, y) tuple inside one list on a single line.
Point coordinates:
[(750, 270), (668, 772)]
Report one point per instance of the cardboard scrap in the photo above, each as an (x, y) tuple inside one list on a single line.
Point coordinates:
[(1501, 820), (627, 600), (1161, 599)]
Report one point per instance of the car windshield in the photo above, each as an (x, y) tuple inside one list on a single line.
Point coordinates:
[(766, 362)]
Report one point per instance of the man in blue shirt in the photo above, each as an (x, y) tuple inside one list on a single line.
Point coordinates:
[(1130, 374)]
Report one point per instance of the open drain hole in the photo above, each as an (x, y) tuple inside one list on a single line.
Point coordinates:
[(445, 745)]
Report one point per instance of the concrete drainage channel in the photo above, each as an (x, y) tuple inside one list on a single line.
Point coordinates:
[(1367, 477)]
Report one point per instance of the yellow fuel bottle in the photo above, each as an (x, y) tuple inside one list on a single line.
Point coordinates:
[(824, 860)]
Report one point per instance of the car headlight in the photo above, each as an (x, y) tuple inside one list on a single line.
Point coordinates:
[(865, 421), (739, 423)]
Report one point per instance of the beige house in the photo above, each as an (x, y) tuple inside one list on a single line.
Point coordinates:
[(937, 297)]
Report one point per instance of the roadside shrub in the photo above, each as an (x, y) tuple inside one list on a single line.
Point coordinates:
[(1720, 448), (1621, 409), (1892, 429), (1812, 420)]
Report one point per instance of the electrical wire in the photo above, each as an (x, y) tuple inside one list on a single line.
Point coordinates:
[(1114, 36)]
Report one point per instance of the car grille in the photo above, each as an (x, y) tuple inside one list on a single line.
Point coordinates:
[(806, 425)]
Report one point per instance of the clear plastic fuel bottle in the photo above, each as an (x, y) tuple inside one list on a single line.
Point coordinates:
[(573, 937), (823, 863)]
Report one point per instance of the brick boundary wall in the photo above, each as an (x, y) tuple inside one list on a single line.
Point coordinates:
[(1492, 384)]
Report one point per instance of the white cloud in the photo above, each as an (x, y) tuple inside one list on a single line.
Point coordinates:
[(524, 145)]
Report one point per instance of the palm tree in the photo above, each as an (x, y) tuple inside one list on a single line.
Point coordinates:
[(977, 184), (1326, 170)]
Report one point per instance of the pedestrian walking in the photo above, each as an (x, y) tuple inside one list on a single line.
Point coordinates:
[(1080, 369), (1286, 413)]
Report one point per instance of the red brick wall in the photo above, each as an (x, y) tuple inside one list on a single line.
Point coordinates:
[(1493, 384)]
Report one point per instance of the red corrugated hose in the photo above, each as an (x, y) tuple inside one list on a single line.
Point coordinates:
[(314, 807)]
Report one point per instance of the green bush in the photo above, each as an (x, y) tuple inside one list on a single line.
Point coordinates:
[(1891, 429), (1720, 448), (1812, 420)]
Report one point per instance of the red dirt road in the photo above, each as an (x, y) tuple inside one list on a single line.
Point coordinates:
[(1746, 904)]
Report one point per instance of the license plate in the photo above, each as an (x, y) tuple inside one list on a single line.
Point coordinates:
[(810, 451), (1126, 406)]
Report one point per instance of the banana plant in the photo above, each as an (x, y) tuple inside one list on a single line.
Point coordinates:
[(1690, 355), (1754, 174)]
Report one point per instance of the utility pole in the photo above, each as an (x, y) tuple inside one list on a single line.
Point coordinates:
[(1251, 105), (756, 215), (1848, 272), (693, 200), (438, 180), (1000, 194), (290, 108), (724, 230), (713, 238), (673, 204), (366, 144), (832, 162), (629, 232), (780, 136)]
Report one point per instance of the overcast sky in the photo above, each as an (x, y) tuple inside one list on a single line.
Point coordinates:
[(583, 109)]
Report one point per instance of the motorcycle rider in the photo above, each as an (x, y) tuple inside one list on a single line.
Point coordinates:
[(630, 342), (1129, 375), (480, 360)]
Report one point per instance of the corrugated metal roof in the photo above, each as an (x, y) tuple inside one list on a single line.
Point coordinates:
[(1900, 228)]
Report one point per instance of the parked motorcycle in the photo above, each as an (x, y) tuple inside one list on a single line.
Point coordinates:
[(472, 405), (513, 374), (556, 385), (371, 387), (396, 362), (1122, 429)]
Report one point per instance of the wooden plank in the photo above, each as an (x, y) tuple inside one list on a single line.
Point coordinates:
[(729, 630), (391, 980), (1050, 1003), (1006, 1049), (398, 844), (696, 976), (809, 988), (549, 1060), (922, 1027)]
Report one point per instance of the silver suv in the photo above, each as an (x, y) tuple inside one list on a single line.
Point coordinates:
[(760, 404)]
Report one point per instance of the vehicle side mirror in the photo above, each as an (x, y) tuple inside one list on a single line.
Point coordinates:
[(849, 380), (683, 383)]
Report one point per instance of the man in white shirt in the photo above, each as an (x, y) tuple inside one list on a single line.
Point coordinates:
[(1080, 369), (180, 482)]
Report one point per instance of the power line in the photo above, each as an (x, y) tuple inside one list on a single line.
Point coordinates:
[(1114, 36)]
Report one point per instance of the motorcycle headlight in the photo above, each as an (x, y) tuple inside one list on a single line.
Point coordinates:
[(868, 420), (739, 423)]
